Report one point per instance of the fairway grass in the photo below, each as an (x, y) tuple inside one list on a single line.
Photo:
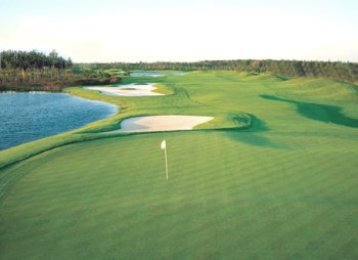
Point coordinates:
[(272, 176)]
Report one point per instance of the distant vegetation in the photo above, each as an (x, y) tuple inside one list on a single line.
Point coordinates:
[(25, 71), (343, 71), (20, 70), (33, 60)]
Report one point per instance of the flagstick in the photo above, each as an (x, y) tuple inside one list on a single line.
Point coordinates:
[(166, 163)]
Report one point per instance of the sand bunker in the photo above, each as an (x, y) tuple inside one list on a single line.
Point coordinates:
[(161, 123), (132, 90)]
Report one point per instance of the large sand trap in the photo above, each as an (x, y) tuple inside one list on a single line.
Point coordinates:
[(161, 123), (131, 90)]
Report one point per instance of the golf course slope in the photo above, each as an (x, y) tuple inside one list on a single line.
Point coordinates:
[(272, 176)]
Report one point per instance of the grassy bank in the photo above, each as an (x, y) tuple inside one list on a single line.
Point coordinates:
[(278, 182)]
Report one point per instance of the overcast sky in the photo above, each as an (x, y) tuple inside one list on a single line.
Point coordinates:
[(182, 30)]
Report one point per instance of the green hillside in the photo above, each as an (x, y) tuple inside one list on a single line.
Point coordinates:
[(273, 176)]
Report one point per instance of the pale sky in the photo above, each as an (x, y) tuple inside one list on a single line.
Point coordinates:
[(182, 30)]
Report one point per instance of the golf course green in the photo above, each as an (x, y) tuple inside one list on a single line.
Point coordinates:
[(273, 176)]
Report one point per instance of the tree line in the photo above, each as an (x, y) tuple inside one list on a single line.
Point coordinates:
[(37, 69), (25, 71), (343, 71), (24, 60)]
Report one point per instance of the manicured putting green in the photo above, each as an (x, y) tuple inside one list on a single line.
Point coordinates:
[(285, 188)]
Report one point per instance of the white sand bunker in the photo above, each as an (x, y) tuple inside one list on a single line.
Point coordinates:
[(132, 90), (161, 123)]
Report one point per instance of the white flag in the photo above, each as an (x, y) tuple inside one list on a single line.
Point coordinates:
[(163, 145)]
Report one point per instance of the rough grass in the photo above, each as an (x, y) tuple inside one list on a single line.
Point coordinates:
[(283, 188)]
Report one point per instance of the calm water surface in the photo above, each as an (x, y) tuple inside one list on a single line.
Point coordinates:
[(26, 117)]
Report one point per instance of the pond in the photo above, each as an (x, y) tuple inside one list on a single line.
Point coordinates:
[(30, 116)]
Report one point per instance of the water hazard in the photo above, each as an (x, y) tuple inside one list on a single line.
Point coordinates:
[(30, 116)]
